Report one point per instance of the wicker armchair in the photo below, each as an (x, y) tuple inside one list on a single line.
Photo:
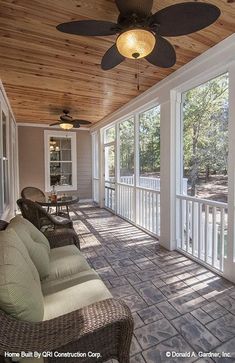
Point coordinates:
[(33, 194), (105, 327), (40, 218), (57, 238), (62, 237)]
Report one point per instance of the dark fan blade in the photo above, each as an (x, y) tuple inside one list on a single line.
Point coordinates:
[(55, 124), (66, 118), (139, 7), (184, 18), (111, 58), (76, 124), (89, 27), (163, 54), (82, 122)]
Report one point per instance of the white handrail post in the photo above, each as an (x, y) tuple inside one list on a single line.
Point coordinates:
[(169, 112), (136, 170), (117, 166), (101, 169)]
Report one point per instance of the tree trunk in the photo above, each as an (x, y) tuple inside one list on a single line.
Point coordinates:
[(194, 170), (207, 173)]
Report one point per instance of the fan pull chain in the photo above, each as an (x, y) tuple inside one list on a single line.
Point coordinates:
[(137, 75)]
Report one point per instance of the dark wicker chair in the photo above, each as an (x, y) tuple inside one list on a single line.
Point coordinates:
[(105, 327), (34, 194), (40, 217)]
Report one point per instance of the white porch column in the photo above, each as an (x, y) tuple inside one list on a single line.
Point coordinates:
[(168, 177), (229, 262), (101, 169)]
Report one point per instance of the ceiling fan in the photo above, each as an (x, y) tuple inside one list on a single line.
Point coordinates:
[(140, 33), (66, 122)]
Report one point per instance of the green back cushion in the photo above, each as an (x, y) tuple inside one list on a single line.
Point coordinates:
[(36, 243), (20, 289)]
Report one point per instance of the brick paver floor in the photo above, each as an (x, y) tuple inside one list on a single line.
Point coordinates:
[(178, 305)]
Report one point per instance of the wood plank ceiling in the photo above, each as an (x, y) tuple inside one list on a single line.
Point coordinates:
[(44, 71)]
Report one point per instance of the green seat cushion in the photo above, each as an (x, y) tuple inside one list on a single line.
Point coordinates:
[(36, 243), (50, 287), (87, 291), (66, 261), (20, 288)]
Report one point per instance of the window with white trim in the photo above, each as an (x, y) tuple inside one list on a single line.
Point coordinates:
[(4, 157), (60, 160)]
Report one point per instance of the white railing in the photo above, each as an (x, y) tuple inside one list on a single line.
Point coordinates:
[(125, 202), (110, 195), (202, 229), (139, 206), (149, 183), (144, 182), (148, 210), (95, 190), (127, 179)]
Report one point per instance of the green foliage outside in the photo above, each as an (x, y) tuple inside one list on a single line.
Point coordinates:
[(205, 133), (127, 135), (205, 136), (149, 143)]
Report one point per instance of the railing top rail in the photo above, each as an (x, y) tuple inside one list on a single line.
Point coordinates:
[(211, 203), (109, 188), (139, 187), (149, 178), (148, 189), (125, 184)]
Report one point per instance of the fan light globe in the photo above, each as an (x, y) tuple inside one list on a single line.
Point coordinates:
[(136, 43), (66, 126)]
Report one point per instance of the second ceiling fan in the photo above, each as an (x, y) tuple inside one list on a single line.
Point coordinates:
[(67, 122), (141, 32)]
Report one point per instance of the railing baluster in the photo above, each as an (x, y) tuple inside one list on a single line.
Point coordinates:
[(199, 230), (142, 203), (108, 198), (142, 208), (129, 191), (144, 211), (127, 202), (206, 232), (221, 252), (187, 225), (122, 199), (133, 209), (129, 197), (153, 213), (193, 227), (148, 210), (157, 214), (214, 237), (181, 225)]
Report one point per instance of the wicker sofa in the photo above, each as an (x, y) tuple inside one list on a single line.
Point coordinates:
[(53, 303)]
